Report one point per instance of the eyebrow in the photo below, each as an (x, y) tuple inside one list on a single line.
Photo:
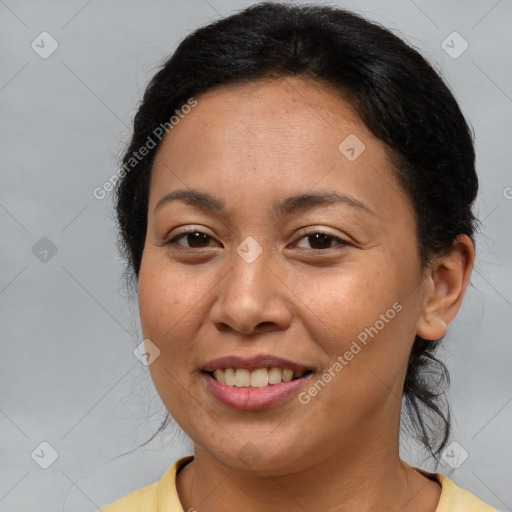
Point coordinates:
[(210, 204)]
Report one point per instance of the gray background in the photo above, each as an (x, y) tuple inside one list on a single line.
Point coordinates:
[(68, 373)]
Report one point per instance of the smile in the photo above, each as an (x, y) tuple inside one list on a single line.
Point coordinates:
[(259, 378), (252, 383)]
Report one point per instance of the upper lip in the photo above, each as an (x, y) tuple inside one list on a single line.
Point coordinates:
[(253, 363)]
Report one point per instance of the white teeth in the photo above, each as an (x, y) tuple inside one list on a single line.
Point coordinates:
[(229, 377), (287, 375), (274, 375), (242, 378), (219, 375), (260, 378)]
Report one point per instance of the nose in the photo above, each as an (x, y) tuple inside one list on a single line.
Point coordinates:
[(251, 299)]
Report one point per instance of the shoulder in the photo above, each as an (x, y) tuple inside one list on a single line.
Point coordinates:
[(456, 499), (161, 495)]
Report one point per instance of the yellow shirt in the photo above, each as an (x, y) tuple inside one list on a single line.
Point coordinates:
[(162, 496)]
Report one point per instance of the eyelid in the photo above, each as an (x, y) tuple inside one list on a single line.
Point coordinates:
[(311, 230), (188, 228)]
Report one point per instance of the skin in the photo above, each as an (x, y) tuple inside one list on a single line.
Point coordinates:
[(251, 145)]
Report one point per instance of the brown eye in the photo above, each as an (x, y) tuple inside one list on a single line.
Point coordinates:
[(195, 239), (320, 240)]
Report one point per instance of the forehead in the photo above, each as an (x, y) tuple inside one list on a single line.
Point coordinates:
[(272, 138), (287, 114)]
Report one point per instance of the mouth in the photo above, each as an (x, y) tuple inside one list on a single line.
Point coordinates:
[(254, 383), (259, 378)]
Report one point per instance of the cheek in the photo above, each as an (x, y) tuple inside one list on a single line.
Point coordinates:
[(358, 314), (167, 304), (166, 298), (338, 304), (168, 311)]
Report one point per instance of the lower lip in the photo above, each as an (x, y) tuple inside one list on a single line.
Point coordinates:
[(245, 399)]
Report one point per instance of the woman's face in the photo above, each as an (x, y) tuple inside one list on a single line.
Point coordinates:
[(258, 292)]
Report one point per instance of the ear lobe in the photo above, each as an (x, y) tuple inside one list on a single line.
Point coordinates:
[(445, 286)]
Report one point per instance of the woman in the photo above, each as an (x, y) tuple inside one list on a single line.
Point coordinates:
[(295, 209)]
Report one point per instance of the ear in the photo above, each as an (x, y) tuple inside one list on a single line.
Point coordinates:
[(445, 284)]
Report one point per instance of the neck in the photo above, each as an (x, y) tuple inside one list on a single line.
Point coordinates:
[(362, 478)]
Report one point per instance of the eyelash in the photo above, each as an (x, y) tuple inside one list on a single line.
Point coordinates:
[(340, 241)]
